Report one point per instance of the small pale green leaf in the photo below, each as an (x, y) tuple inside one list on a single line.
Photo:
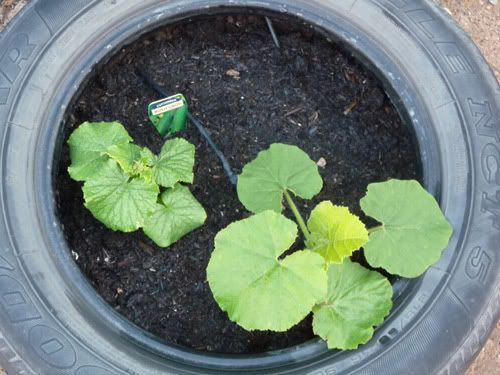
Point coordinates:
[(147, 157), (178, 214), (335, 232), (134, 160), (117, 200), (144, 166), (126, 155), (88, 144), (414, 231), (358, 299), (258, 290), (175, 163), (279, 168)]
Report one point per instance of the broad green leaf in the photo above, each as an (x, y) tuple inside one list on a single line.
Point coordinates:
[(175, 163), (88, 144), (178, 214), (126, 155), (256, 288), (118, 201), (358, 299), (414, 231), (279, 168), (335, 232)]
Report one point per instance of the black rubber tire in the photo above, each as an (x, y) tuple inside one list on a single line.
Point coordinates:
[(435, 75)]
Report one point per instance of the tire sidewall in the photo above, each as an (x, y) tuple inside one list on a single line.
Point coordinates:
[(439, 78)]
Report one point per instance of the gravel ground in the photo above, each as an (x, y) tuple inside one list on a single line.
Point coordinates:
[(481, 19), (8, 9)]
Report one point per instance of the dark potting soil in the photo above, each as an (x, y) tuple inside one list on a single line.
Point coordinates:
[(249, 94)]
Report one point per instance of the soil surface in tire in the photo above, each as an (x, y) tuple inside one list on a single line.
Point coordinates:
[(249, 94)]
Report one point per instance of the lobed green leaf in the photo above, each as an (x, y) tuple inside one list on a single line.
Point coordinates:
[(414, 231), (117, 200), (258, 290), (178, 214), (335, 232), (358, 299), (279, 168), (175, 163), (88, 144)]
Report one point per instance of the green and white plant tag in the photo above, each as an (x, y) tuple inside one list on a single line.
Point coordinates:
[(169, 115)]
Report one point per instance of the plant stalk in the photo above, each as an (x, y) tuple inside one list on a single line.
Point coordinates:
[(375, 229), (298, 216)]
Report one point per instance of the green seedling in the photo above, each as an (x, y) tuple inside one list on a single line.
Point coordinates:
[(261, 289), (127, 187)]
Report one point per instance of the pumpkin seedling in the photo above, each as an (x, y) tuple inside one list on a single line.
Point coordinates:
[(127, 187), (266, 291)]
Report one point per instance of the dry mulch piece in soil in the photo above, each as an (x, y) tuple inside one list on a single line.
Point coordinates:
[(249, 94)]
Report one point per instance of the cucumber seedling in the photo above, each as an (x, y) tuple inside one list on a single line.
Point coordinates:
[(127, 187)]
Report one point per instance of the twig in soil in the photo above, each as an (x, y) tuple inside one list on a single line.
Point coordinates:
[(294, 111), (350, 107), (233, 178), (273, 33)]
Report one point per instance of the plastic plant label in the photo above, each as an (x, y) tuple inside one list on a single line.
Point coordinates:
[(169, 115)]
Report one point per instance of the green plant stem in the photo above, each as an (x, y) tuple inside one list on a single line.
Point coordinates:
[(298, 216), (375, 229)]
